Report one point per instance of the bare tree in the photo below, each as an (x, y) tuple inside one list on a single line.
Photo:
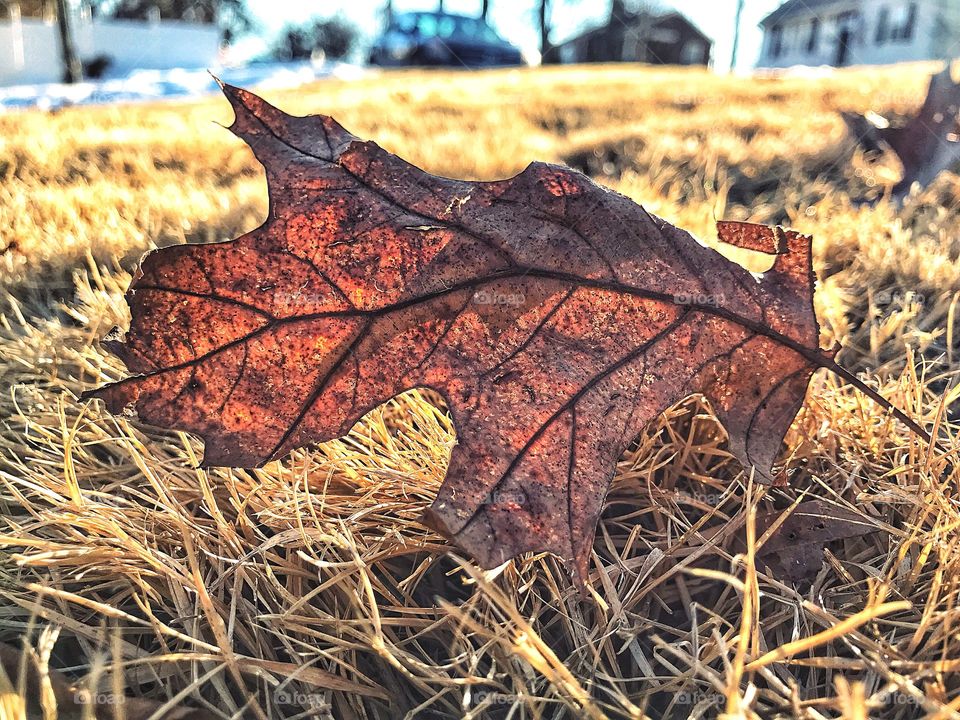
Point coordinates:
[(334, 37), (736, 35), (72, 69), (485, 9), (543, 14)]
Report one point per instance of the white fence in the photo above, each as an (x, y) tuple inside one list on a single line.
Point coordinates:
[(30, 48)]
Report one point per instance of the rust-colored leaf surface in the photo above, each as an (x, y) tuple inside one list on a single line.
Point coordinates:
[(556, 317)]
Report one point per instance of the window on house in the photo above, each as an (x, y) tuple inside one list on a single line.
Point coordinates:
[(904, 23), (883, 25), (911, 22), (814, 36), (776, 41)]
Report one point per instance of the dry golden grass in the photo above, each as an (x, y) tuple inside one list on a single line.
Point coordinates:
[(308, 588)]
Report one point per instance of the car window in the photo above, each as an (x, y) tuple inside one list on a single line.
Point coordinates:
[(406, 23), (488, 33), (447, 27), (466, 27), (427, 25), (476, 29)]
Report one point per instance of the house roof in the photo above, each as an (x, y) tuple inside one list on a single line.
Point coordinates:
[(655, 18), (688, 21), (794, 7)]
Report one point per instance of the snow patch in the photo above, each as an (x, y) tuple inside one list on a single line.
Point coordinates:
[(178, 83)]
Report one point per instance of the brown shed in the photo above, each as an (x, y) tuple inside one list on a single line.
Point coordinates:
[(667, 39)]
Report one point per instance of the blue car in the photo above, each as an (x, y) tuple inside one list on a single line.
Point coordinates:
[(442, 39)]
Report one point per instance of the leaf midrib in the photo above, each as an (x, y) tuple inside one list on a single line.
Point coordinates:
[(519, 273)]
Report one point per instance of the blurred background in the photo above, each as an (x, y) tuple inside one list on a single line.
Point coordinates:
[(128, 49)]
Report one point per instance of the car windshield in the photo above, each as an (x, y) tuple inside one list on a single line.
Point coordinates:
[(446, 26)]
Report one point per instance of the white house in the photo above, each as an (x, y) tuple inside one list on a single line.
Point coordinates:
[(859, 32), (30, 44)]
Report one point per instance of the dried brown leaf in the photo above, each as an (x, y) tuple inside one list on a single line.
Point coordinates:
[(555, 317)]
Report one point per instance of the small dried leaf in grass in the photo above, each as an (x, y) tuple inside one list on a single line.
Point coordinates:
[(31, 690), (793, 542), (927, 144)]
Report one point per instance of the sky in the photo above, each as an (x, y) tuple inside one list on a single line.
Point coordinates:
[(515, 20)]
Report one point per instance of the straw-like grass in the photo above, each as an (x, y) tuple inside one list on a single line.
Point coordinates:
[(309, 588)]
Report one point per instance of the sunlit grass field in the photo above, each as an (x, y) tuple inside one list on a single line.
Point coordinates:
[(308, 588)]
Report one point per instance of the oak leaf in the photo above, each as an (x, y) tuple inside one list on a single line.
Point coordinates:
[(555, 317), (926, 144)]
